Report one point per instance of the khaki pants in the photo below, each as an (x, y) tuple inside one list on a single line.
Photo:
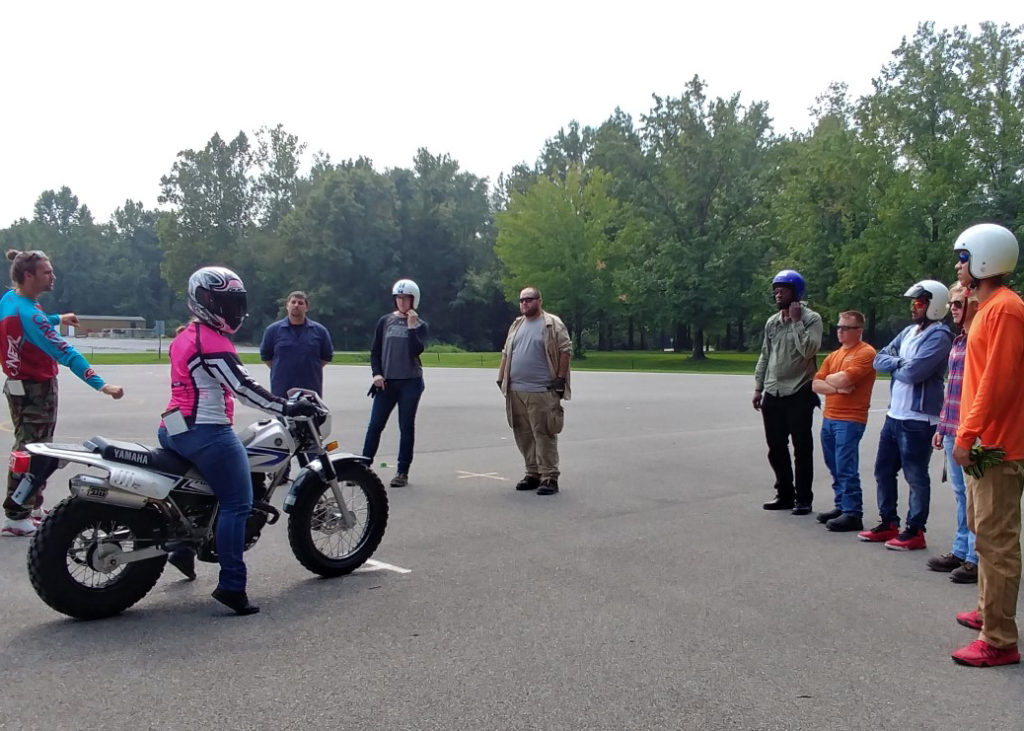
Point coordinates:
[(993, 513), (536, 422)]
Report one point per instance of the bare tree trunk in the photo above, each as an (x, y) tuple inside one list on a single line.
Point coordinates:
[(697, 353)]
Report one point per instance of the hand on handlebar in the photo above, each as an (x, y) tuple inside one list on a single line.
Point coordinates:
[(301, 408)]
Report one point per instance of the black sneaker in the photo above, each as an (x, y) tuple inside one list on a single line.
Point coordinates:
[(529, 482), (236, 600), (548, 486), (401, 479), (845, 523), (185, 562), (826, 517)]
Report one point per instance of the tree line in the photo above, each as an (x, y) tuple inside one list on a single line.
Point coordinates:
[(658, 232)]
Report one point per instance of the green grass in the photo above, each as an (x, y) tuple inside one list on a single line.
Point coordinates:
[(623, 360), (727, 362)]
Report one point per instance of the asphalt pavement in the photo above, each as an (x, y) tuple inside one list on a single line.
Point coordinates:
[(652, 592)]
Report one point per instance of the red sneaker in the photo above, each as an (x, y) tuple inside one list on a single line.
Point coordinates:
[(908, 540), (980, 654), (881, 532), (971, 619)]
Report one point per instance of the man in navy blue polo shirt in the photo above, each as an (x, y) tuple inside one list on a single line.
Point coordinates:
[(296, 349)]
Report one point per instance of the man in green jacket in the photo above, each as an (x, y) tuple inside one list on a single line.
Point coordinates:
[(783, 393)]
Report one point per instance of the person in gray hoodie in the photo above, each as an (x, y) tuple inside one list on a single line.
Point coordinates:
[(916, 362)]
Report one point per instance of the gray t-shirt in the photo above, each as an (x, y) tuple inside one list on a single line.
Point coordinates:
[(395, 351), (528, 369)]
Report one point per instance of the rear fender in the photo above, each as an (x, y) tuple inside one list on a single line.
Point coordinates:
[(313, 476), (127, 477)]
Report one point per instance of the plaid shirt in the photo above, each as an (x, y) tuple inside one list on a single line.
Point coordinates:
[(949, 417)]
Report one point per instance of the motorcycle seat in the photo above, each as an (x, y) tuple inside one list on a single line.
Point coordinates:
[(133, 453)]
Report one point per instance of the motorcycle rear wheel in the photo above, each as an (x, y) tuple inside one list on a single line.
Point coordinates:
[(65, 551), (314, 531)]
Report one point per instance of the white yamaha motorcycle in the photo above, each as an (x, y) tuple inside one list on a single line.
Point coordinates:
[(103, 548)]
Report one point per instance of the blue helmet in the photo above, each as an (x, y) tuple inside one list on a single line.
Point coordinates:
[(793, 279)]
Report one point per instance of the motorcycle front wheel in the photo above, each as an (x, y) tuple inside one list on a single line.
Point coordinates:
[(70, 559), (316, 533)]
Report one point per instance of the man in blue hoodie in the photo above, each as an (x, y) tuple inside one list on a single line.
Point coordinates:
[(916, 361)]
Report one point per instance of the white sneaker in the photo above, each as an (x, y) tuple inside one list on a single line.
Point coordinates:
[(38, 514), (18, 528)]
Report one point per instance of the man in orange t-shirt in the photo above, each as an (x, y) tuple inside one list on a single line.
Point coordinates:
[(845, 379), (992, 413)]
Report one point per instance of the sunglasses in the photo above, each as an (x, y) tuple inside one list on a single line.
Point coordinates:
[(527, 299), (956, 303), (844, 328), (963, 256)]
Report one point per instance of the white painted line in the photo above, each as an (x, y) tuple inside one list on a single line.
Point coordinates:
[(372, 565), (463, 475)]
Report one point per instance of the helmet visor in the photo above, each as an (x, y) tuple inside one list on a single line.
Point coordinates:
[(232, 307), (918, 292)]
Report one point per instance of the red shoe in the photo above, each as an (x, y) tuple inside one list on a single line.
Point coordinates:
[(971, 619), (980, 654), (908, 540), (881, 532)]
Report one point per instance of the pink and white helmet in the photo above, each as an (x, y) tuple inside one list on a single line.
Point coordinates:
[(216, 296)]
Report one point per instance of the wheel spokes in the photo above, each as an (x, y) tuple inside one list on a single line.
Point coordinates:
[(327, 527), (100, 536)]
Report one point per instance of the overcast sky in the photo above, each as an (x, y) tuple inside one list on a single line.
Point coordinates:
[(101, 96)]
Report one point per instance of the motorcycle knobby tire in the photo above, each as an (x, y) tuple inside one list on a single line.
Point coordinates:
[(301, 517), (50, 559)]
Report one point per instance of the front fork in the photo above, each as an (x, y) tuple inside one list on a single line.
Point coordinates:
[(348, 519)]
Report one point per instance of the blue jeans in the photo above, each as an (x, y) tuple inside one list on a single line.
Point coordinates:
[(840, 444), (905, 444), (222, 461), (963, 541), (404, 393)]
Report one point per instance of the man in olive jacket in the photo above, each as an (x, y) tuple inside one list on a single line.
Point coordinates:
[(534, 378), (783, 393)]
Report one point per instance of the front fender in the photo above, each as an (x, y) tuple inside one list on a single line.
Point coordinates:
[(313, 474)]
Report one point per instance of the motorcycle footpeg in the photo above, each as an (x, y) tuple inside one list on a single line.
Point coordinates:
[(273, 514)]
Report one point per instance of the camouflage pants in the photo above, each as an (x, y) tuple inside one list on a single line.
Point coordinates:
[(34, 416)]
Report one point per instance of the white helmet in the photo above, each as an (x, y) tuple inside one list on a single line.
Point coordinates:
[(407, 286), (993, 250), (936, 294)]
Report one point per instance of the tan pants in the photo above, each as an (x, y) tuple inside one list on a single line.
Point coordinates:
[(993, 513), (536, 422)]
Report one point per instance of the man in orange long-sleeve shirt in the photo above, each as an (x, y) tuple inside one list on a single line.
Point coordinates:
[(992, 412), (845, 379)]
